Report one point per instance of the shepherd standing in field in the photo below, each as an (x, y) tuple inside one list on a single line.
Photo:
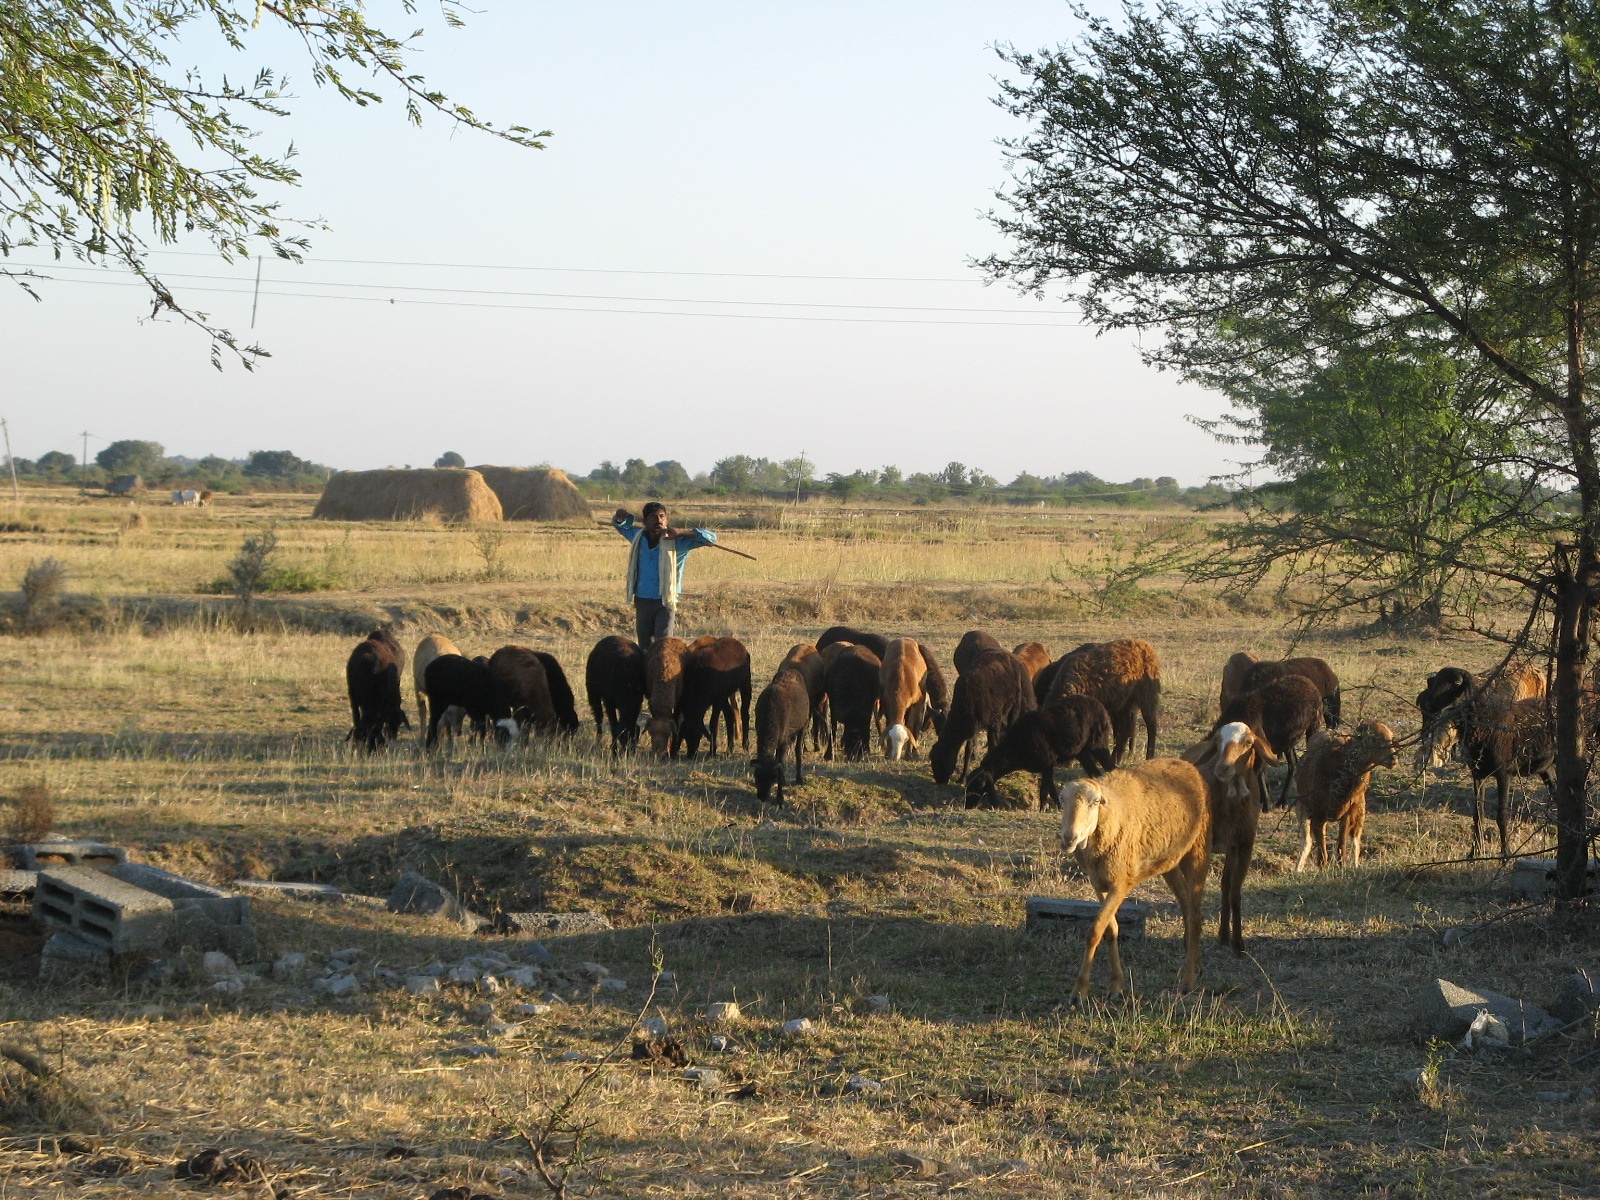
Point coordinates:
[(655, 567)]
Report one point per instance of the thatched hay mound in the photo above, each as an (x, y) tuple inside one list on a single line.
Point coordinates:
[(536, 494), (449, 493)]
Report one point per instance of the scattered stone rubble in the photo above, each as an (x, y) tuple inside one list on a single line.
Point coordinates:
[(1481, 1018)]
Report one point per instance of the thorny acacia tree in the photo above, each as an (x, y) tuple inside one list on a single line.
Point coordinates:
[(1262, 176), (106, 145)]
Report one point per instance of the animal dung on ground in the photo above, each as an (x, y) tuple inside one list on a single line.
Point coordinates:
[(1048, 913), (664, 1049), (535, 494), (222, 1166), (448, 493)]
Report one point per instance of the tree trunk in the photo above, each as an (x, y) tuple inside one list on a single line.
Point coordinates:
[(1573, 592)]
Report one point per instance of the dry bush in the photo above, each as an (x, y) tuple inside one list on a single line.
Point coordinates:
[(32, 815), (133, 521), (42, 586), (250, 568)]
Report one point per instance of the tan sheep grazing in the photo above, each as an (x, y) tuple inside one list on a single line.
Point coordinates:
[(1035, 655), (1332, 782), (428, 649), (1123, 828), (1125, 676), (1233, 676), (663, 684), (902, 703), (1233, 762)]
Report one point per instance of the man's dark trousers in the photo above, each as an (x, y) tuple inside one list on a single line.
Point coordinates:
[(653, 619)]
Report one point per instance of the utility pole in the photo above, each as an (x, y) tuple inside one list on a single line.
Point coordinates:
[(256, 299), (83, 471), (16, 492)]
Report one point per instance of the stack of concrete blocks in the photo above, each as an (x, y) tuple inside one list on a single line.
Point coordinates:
[(98, 915), (1535, 877)]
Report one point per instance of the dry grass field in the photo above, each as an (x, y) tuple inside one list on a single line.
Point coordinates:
[(160, 723)]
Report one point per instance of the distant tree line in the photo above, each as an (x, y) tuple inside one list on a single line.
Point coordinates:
[(260, 470), (796, 479)]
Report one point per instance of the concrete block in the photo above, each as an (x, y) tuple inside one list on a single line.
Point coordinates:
[(555, 923), (1047, 912), (1534, 877), (289, 891), (1446, 1010), (102, 910), (65, 954), (203, 916), (18, 883), (41, 856), (417, 894)]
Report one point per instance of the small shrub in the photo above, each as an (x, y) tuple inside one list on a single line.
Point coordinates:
[(42, 586), (490, 545), (32, 815), (249, 570)]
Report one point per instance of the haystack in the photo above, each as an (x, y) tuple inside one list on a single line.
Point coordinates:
[(449, 493), (536, 493)]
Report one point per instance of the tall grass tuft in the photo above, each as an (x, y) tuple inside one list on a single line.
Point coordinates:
[(43, 584), (32, 814)]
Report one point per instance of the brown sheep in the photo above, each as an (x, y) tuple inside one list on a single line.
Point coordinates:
[(372, 678), (1233, 673), (1493, 694), (1498, 743), (1285, 712), (428, 649), (875, 642), (990, 694), (1130, 825), (805, 658), (1332, 781), (663, 678), (902, 702), (1035, 656), (1314, 669), (1125, 676), (973, 643), (1232, 761), (716, 670)]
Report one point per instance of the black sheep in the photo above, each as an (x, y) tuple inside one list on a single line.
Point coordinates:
[(783, 710), (470, 684), (1314, 669), (714, 673), (561, 697), (614, 679), (938, 691), (990, 694), (853, 696), (1045, 680), (1285, 712), (1068, 728), (876, 642), (973, 643), (521, 674), (372, 678)]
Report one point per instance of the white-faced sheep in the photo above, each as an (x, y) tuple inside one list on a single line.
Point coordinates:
[(1131, 825), (1232, 761), (902, 701), (1071, 728), (1332, 781), (1286, 711), (1125, 676)]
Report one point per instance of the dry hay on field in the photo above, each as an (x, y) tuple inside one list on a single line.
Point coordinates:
[(449, 493), (536, 493)]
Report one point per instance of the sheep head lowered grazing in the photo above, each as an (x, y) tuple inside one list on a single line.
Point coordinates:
[(1124, 828)]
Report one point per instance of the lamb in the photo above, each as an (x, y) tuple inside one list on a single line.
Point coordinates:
[(372, 680), (522, 676), (875, 642), (1502, 743), (1285, 712), (663, 675), (1124, 828), (1035, 655), (1233, 674), (1232, 761), (803, 657), (990, 694), (428, 649), (1314, 669), (973, 643), (613, 677), (1073, 727), (454, 680), (715, 670), (902, 702), (853, 694), (1124, 675), (1332, 781), (783, 710)]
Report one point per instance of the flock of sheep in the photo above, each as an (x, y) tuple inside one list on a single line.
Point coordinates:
[(1166, 816)]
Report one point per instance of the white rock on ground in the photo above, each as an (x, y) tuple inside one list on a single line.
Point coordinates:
[(593, 970), (423, 985), (798, 1027), (878, 1004), (289, 965), (727, 1010), (530, 1010), (706, 1077), (612, 984), (462, 973), (339, 985), (218, 965), (233, 986), (653, 1027), (502, 1029)]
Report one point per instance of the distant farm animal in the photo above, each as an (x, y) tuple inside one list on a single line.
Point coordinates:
[(1035, 655), (1314, 669), (1233, 761), (205, 498), (452, 680), (1286, 712), (1233, 676), (613, 676), (663, 681), (372, 679), (876, 642), (1332, 784), (853, 695), (1125, 676), (188, 498), (1496, 742), (525, 681), (973, 643), (805, 659), (428, 649), (783, 710), (990, 694), (716, 673), (902, 698), (1070, 728), (1130, 825)]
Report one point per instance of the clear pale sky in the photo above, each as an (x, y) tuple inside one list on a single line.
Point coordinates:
[(824, 139)]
